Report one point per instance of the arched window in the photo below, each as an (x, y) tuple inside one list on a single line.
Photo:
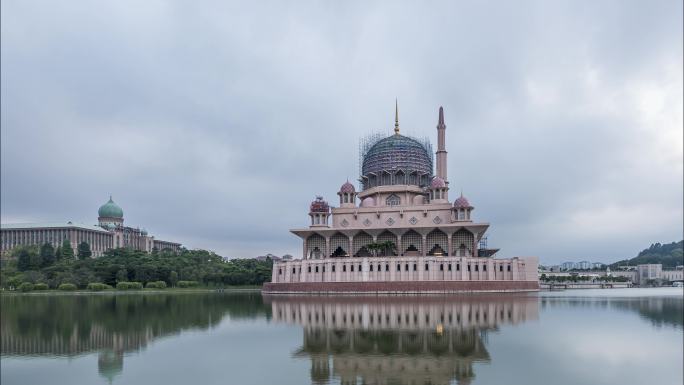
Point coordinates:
[(393, 200)]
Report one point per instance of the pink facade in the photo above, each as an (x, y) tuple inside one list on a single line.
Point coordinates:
[(399, 231)]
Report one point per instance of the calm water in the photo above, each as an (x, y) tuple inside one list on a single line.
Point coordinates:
[(622, 336)]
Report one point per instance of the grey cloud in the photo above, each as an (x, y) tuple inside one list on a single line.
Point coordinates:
[(215, 123)]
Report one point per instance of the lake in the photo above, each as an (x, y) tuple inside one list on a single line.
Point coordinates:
[(619, 336)]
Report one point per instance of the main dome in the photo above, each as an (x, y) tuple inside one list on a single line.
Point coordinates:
[(402, 160), (110, 210)]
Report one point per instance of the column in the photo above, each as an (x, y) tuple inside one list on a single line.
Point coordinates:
[(399, 250), (449, 245), (515, 266), (304, 248), (327, 247), (351, 246)]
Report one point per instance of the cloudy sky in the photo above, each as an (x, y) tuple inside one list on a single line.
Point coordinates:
[(215, 123)]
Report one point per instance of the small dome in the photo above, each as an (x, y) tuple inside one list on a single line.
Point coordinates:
[(368, 202), (437, 182), (110, 210), (347, 188), (319, 206), (462, 203)]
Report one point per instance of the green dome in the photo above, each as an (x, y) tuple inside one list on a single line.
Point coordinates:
[(110, 210)]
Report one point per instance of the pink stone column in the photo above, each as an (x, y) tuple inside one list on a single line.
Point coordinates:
[(450, 251), (304, 256), (515, 269)]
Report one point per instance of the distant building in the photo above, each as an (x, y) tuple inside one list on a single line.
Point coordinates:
[(584, 265), (673, 275), (109, 233), (568, 265), (647, 272), (268, 256), (597, 265)]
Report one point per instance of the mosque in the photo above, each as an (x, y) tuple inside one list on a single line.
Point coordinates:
[(400, 233)]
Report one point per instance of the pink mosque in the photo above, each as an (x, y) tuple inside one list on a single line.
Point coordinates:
[(400, 233)]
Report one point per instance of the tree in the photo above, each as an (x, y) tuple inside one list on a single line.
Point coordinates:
[(122, 275), (47, 252), (23, 259), (36, 260), (58, 253), (84, 251), (67, 250), (173, 278)]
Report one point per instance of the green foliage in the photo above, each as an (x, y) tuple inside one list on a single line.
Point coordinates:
[(84, 251), (67, 287), (129, 286), (47, 253), (26, 286), (121, 275), (32, 276), (23, 259), (202, 267), (156, 285), (97, 286), (67, 250), (40, 286), (187, 284), (669, 255)]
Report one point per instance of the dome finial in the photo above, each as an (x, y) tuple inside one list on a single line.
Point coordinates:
[(396, 117)]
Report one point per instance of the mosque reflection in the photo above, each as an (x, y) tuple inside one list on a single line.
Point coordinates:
[(111, 325), (399, 340)]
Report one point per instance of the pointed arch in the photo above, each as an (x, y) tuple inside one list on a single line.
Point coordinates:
[(437, 243), (361, 239), (339, 245), (400, 177), (411, 243), (315, 246), (393, 200), (387, 236), (463, 242)]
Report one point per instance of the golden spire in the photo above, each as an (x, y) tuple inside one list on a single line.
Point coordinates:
[(396, 117)]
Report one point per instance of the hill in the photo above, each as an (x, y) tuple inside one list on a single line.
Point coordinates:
[(669, 255)]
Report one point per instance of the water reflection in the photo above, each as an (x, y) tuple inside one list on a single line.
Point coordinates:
[(111, 325), (399, 340), (348, 340), (659, 311)]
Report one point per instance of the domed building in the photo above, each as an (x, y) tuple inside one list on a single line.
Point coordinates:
[(109, 233), (110, 217), (399, 232)]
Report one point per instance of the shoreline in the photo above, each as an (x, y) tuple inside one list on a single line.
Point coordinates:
[(143, 291)]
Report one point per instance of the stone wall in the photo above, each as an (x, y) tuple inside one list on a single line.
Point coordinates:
[(399, 287)]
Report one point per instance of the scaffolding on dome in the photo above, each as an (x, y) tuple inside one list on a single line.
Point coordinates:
[(406, 153), (365, 144)]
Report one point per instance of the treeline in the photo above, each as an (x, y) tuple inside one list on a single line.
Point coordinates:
[(670, 255), (54, 267)]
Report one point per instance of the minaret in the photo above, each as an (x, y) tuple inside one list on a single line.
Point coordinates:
[(396, 117), (441, 148)]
